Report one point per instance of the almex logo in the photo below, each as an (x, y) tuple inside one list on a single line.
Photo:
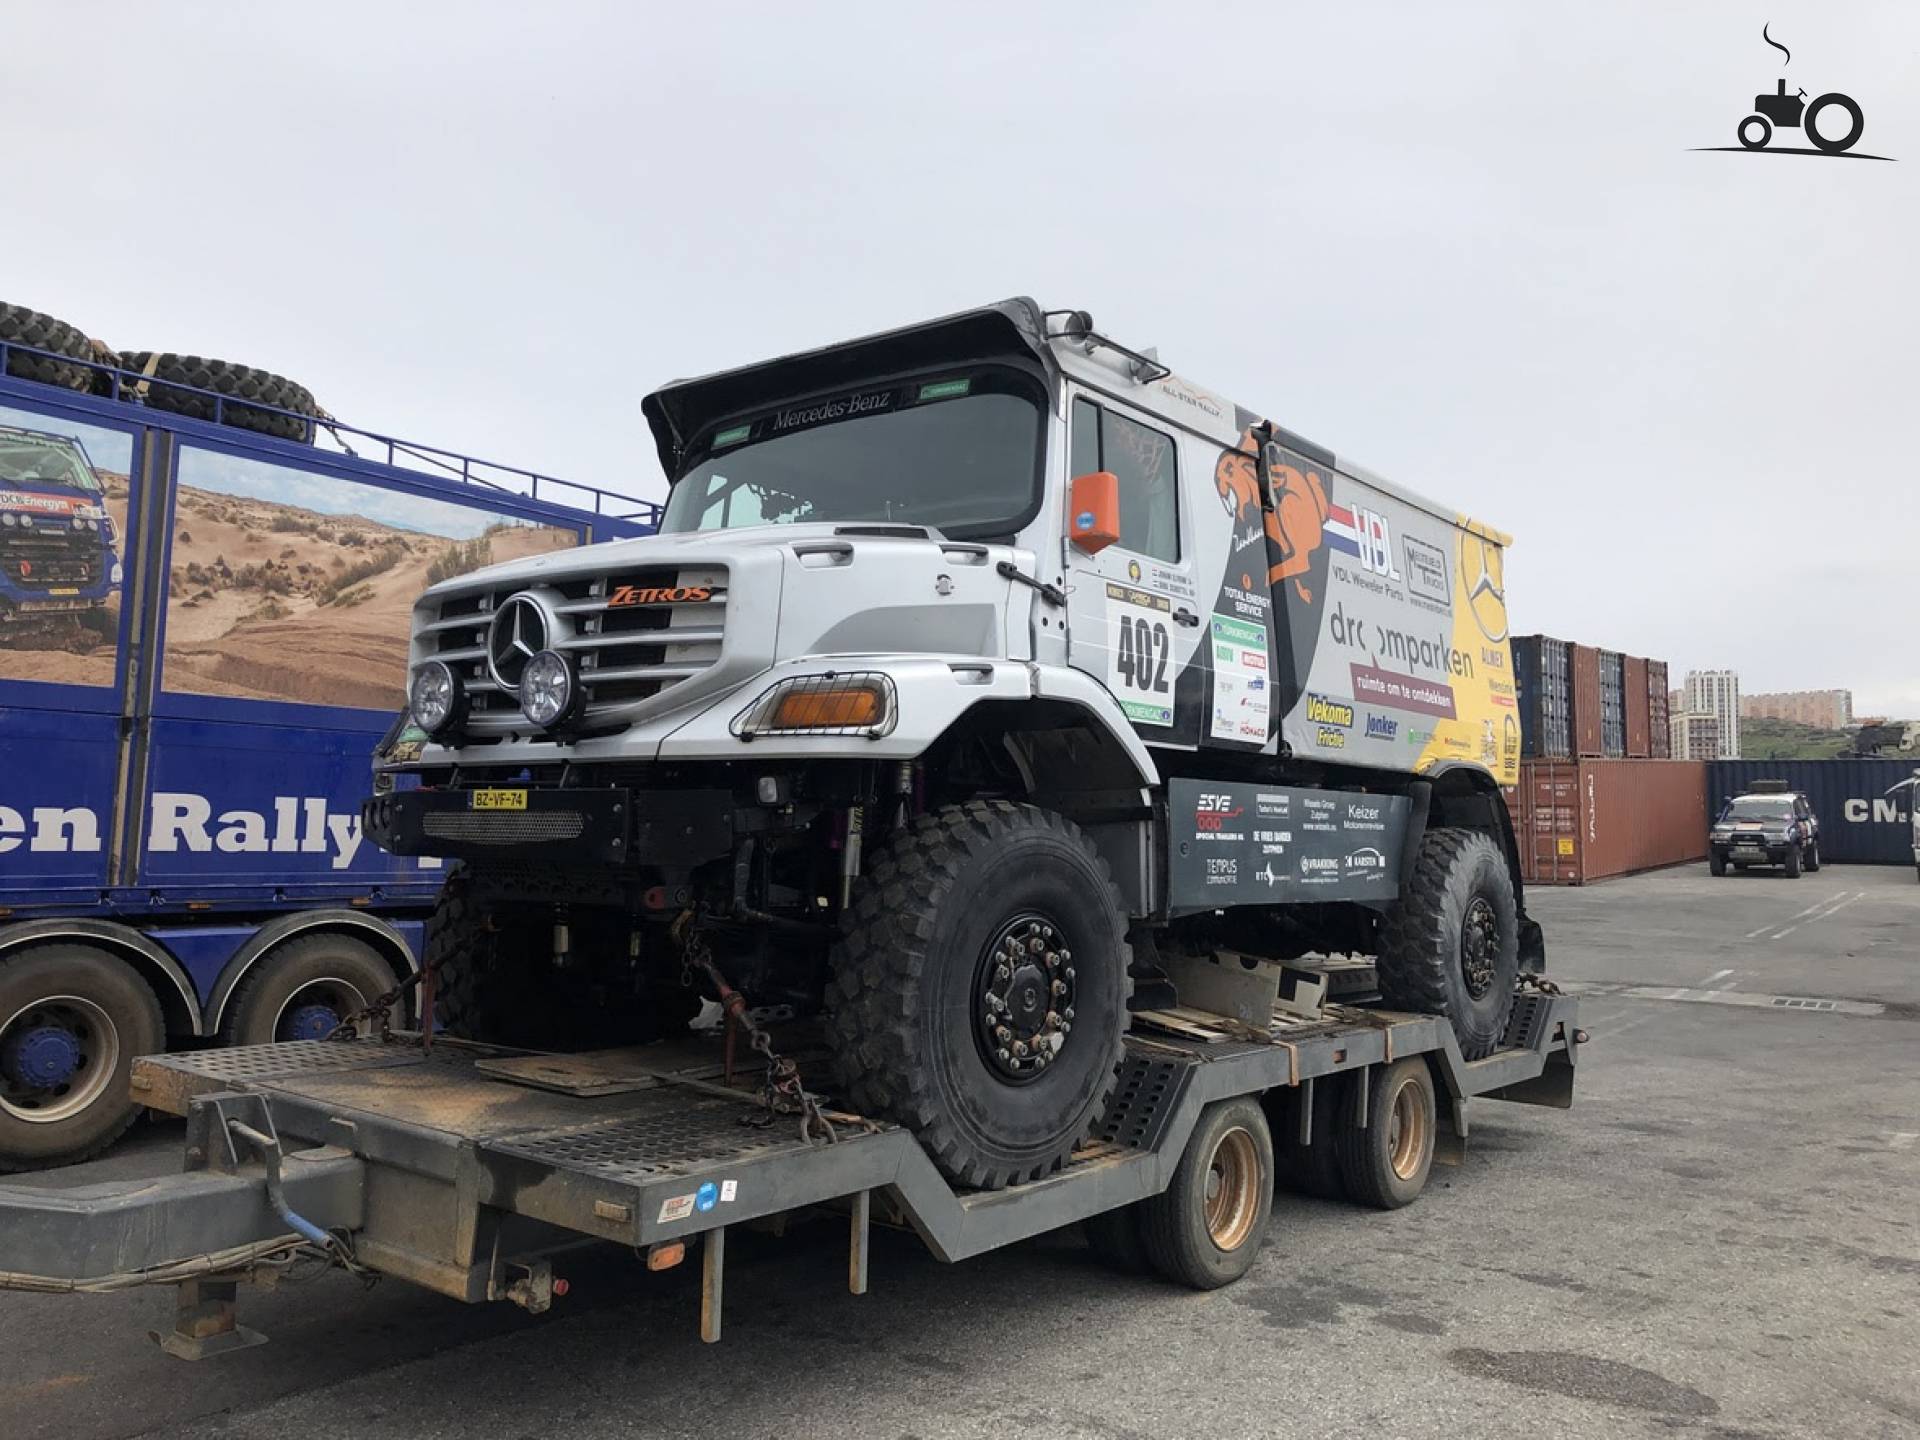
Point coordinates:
[(1832, 123)]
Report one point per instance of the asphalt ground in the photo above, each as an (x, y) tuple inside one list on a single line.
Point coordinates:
[(1721, 1238)]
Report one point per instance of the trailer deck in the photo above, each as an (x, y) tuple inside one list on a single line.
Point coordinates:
[(466, 1168)]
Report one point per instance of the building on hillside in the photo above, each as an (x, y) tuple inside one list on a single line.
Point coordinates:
[(1716, 692), (1693, 737), (1822, 709)]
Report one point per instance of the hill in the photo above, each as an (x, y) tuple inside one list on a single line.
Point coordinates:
[(1790, 740)]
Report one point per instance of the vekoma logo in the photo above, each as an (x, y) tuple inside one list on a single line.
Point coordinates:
[(1322, 711), (1818, 121)]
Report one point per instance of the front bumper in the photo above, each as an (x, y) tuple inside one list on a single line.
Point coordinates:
[(674, 828), (1748, 853)]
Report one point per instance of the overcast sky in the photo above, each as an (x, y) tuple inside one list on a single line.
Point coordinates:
[(1467, 245)]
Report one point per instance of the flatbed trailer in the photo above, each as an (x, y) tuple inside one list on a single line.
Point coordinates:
[(473, 1170)]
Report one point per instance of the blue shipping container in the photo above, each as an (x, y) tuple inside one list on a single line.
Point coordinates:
[(1860, 823)]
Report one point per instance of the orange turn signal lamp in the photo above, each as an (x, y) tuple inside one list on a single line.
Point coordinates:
[(860, 704)]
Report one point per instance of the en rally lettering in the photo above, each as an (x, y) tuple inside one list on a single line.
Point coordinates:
[(178, 821)]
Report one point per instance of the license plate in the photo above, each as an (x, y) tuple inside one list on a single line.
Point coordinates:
[(54, 605), (499, 799), (64, 590)]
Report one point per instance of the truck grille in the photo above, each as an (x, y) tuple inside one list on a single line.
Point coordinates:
[(52, 557), (658, 635)]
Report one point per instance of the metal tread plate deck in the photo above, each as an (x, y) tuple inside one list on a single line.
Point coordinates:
[(649, 1165)]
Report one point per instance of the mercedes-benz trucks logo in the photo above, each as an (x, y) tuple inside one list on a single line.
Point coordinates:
[(519, 632)]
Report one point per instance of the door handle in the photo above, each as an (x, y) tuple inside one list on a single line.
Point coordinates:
[(1185, 616)]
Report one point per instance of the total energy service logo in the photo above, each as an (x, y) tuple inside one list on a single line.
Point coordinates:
[(1832, 123)]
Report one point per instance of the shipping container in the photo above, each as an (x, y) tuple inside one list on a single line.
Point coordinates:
[(1591, 818), (1589, 736), (1613, 704), (1543, 675), (1639, 716), (1860, 823), (1659, 735)]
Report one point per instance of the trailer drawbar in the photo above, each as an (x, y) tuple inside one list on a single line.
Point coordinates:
[(467, 1169)]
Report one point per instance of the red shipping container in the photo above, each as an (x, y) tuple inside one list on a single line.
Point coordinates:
[(1592, 818), (1589, 732), (1659, 736), (1639, 714)]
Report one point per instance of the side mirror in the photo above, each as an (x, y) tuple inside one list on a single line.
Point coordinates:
[(1094, 511)]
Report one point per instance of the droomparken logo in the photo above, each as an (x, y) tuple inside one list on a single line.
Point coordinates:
[(1781, 111)]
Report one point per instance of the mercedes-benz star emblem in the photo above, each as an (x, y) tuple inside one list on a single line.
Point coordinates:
[(517, 634)]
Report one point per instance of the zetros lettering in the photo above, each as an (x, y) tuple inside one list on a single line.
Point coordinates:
[(299, 824)]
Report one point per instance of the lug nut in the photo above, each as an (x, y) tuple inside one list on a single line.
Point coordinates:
[(1002, 1052), (1070, 972), (1069, 1012), (1019, 1047), (1002, 1034)]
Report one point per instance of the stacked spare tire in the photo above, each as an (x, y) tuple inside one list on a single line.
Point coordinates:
[(52, 352)]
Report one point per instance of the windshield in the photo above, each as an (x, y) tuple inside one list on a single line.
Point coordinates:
[(1760, 807), (958, 453), (32, 459)]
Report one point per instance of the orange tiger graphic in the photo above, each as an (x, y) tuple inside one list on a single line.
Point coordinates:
[(1295, 520)]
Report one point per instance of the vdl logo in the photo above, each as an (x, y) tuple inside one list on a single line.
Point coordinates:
[(1793, 112)]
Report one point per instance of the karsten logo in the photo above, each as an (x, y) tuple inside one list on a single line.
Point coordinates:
[(1832, 123)]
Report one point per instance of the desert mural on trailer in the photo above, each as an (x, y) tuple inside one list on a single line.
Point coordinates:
[(283, 585)]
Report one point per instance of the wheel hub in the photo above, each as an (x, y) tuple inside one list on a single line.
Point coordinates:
[(1024, 995), (308, 1022), (1479, 945), (41, 1058)]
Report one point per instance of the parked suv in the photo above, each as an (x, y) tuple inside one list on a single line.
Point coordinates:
[(1765, 826)]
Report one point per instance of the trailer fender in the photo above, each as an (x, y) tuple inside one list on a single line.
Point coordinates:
[(386, 941), (168, 979)]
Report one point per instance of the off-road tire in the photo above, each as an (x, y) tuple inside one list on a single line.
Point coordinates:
[(901, 1000), (492, 982), (1716, 863), (1175, 1225), (1790, 863), (1311, 1169), (1368, 1155), (224, 378), (1114, 1238), (44, 971), (21, 326), (1421, 956), (1813, 856), (357, 974)]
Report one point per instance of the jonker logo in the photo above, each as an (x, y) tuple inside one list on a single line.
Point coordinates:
[(1793, 112)]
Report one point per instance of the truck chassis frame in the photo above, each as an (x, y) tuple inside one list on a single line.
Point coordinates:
[(465, 1168)]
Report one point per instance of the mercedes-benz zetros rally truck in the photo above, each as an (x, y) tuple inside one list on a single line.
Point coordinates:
[(981, 671)]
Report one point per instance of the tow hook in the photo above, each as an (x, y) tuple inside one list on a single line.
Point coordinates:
[(537, 1288)]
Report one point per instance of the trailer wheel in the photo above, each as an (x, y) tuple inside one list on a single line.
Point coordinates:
[(21, 326), (72, 1019), (302, 989), (224, 378), (1310, 1169), (978, 990), (1205, 1229), (1114, 1237), (1386, 1164), (1452, 942)]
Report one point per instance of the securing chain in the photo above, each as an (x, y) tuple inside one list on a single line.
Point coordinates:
[(1530, 981), (783, 1091), (382, 1009)]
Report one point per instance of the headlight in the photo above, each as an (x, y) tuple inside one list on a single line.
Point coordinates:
[(853, 704), (437, 699), (118, 573), (78, 523), (549, 690), (9, 520)]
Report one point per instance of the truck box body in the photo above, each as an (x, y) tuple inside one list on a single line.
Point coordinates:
[(1860, 822), (1589, 819)]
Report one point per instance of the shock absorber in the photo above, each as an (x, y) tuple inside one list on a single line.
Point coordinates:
[(850, 853), (562, 939)]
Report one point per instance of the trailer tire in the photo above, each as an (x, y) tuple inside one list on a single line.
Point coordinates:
[(1205, 1229), (916, 971), (224, 378), (1310, 1169), (481, 994), (84, 1010), (301, 989), (1452, 941), (1114, 1238), (1386, 1164), (21, 326)]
